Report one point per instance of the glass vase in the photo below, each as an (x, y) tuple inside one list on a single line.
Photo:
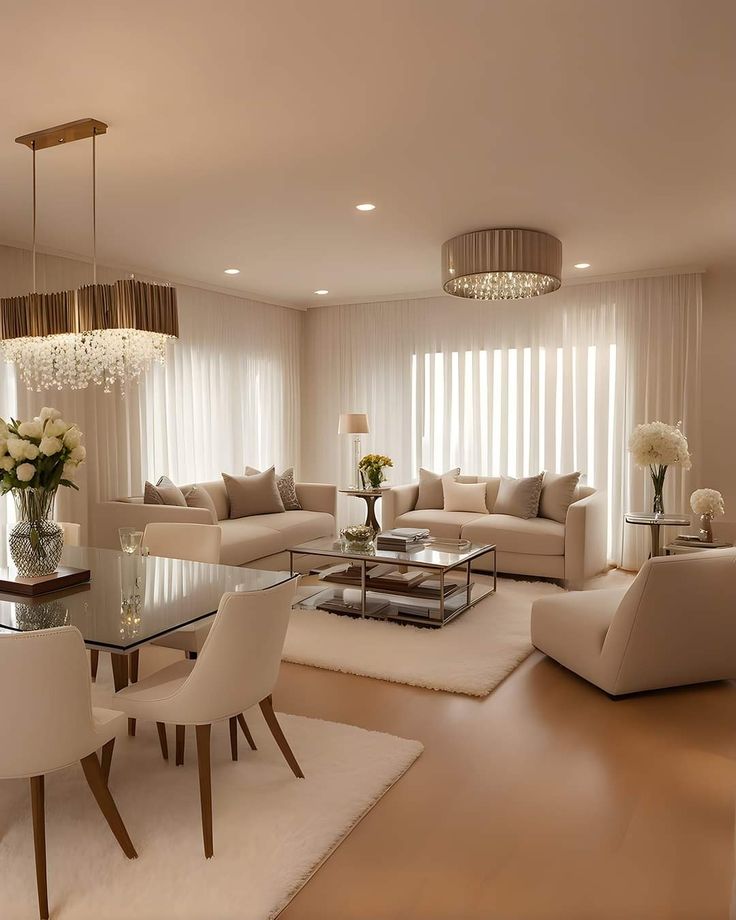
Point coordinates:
[(658, 474), (706, 528), (36, 541)]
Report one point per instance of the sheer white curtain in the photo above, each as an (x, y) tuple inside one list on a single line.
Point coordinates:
[(228, 396), (553, 384)]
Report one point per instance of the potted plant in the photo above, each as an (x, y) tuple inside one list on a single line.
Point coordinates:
[(372, 468), (36, 457), (657, 446)]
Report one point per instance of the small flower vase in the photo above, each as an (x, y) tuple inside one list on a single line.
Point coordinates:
[(706, 528), (375, 477), (36, 541), (658, 474)]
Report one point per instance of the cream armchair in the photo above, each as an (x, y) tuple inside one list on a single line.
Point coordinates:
[(675, 625)]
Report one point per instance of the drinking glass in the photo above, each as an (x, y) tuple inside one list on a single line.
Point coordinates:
[(130, 539)]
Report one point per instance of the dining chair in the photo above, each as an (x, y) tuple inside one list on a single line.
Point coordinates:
[(237, 668), (48, 723)]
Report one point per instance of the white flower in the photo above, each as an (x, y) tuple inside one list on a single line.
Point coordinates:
[(46, 414), (55, 428), (51, 446), (73, 438), (17, 448), (659, 444), (4, 433), (707, 501), (7, 463), (69, 470), (30, 430), (78, 454), (25, 472), (3, 446), (31, 451)]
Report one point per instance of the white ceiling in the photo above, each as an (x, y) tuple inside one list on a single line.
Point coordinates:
[(244, 133)]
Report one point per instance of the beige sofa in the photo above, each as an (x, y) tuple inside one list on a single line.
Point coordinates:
[(259, 540), (675, 625), (571, 552)]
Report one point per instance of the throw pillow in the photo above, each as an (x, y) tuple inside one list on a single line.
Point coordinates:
[(430, 488), (256, 494), (558, 491), (163, 493), (519, 497), (464, 496), (286, 486), (200, 498)]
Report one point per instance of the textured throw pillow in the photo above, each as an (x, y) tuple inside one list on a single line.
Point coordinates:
[(200, 498), (286, 486), (163, 493), (430, 488), (256, 494), (464, 496), (519, 497), (558, 490)]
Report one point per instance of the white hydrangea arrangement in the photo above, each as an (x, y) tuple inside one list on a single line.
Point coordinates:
[(41, 454), (657, 446), (707, 501)]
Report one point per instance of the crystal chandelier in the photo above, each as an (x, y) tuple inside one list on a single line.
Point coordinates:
[(501, 264), (98, 334)]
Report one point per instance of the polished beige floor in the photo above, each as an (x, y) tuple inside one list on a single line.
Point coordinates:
[(544, 800)]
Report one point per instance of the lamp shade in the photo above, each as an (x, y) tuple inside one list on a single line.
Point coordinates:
[(353, 423)]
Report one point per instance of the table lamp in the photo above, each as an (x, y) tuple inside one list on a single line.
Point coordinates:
[(355, 423)]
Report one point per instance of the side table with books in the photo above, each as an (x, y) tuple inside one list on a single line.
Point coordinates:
[(687, 543)]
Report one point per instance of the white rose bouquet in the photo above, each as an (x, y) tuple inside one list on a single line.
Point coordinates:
[(707, 501), (657, 446)]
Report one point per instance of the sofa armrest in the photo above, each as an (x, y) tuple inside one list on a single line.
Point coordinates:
[(586, 532), (109, 516), (317, 496), (397, 500)]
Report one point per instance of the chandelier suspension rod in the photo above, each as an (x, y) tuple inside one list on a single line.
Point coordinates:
[(94, 207), (33, 148)]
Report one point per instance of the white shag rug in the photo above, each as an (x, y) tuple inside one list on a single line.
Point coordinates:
[(470, 655), (271, 830)]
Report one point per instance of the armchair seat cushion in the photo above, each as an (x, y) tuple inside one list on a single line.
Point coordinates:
[(537, 536), (439, 523)]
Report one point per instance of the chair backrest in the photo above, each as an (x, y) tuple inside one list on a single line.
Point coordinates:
[(240, 659), (676, 624), (195, 542), (46, 718), (72, 533)]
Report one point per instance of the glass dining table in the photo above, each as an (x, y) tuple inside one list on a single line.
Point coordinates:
[(130, 600)]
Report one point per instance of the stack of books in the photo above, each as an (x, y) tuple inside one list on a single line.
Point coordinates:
[(694, 540), (402, 539)]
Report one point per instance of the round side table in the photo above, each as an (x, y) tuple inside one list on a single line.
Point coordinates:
[(654, 522), (370, 496)]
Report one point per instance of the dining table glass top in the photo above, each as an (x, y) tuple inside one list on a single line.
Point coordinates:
[(131, 600)]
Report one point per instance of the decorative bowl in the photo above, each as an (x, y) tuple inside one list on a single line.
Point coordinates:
[(358, 534)]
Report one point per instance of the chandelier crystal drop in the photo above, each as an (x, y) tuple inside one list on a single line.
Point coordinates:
[(501, 264)]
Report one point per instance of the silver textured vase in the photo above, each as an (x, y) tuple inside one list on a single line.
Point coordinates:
[(36, 542), (706, 528)]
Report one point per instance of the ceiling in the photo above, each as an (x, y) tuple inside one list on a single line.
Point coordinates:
[(242, 134)]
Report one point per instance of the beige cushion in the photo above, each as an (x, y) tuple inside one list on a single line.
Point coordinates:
[(286, 486), (256, 494), (464, 496), (199, 498), (440, 523), (558, 491), (163, 493), (519, 497), (430, 488), (532, 536), (298, 526), (243, 541)]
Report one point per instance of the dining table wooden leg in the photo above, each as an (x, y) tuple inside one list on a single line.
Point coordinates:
[(120, 677), (162, 739), (94, 661), (135, 658), (39, 843), (180, 738)]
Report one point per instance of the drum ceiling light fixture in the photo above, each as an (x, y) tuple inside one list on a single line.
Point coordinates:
[(501, 264), (100, 333)]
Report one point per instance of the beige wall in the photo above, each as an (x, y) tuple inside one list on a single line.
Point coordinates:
[(718, 469)]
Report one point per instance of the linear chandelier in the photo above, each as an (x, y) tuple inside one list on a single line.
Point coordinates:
[(98, 334), (501, 264)]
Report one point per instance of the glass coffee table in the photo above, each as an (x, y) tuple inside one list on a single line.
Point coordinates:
[(409, 587)]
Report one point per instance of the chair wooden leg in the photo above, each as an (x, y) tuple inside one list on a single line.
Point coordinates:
[(191, 656), (162, 739), (96, 782), (94, 661), (39, 843), (270, 716), (131, 727), (135, 659), (246, 731), (234, 738), (179, 745), (205, 785), (107, 750)]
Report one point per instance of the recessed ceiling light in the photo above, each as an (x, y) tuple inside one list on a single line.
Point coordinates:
[(365, 207), (582, 265), (232, 271), (321, 291)]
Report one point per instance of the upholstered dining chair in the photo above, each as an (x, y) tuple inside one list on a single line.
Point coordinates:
[(237, 668), (675, 625), (48, 723)]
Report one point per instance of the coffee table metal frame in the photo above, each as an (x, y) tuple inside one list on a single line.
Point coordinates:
[(406, 560)]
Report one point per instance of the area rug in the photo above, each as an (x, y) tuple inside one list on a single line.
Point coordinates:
[(271, 831), (471, 655)]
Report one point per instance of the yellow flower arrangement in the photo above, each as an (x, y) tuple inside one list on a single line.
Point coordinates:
[(372, 466)]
